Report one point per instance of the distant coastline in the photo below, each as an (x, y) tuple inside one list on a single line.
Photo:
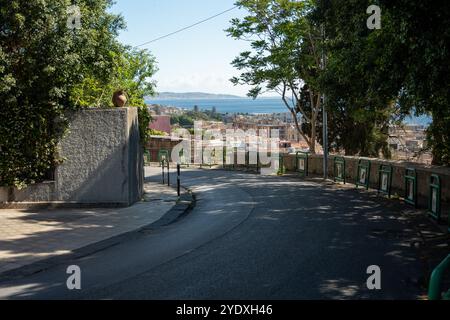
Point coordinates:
[(234, 104), (191, 95)]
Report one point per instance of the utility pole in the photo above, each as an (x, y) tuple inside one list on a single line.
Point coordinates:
[(325, 115)]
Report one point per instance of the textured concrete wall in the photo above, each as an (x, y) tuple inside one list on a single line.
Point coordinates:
[(103, 162), (398, 183)]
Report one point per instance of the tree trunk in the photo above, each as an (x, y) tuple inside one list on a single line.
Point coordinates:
[(312, 141)]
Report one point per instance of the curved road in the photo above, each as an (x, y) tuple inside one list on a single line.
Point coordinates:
[(251, 237)]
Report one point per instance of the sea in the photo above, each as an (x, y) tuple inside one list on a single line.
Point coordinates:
[(250, 106)]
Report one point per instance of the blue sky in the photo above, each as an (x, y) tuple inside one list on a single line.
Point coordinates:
[(194, 60)]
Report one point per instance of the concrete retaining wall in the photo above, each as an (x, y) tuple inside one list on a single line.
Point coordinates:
[(398, 182), (103, 163)]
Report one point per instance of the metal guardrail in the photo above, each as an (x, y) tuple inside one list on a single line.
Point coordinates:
[(363, 176), (435, 289), (385, 180)]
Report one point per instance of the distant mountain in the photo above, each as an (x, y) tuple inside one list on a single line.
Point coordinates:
[(191, 95)]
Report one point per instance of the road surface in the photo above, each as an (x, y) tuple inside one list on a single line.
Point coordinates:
[(250, 237)]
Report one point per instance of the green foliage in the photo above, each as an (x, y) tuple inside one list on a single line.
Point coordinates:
[(285, 57), (182, 120), (131, 72), (154, 132), (187, 119), (47, 69), (358, 118), (145, 119), (387, 74)]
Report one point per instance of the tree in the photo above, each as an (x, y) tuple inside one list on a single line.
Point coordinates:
[(42, 65), (359, 119), (286, 57), (401, 69), (132, 73)]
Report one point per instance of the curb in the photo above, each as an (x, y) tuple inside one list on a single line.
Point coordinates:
[(184, 205)]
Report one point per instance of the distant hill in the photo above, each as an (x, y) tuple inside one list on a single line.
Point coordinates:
[(191, 95)]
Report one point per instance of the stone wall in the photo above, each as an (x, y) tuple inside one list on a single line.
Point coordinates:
[(103, 163), (398, 182)]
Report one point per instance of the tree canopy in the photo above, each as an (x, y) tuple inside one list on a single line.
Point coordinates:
[(372, 79), (285, 57), (48, 69), (401, 69)]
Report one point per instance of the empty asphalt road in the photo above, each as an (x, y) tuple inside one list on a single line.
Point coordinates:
[(251, 237)]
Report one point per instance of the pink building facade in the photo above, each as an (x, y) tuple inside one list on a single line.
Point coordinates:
[(161, 123)]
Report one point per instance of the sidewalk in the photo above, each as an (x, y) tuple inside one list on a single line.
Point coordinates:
[(28, 236)]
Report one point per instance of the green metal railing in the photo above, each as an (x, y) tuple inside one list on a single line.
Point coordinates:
[(163, 155), (165, 164), (435, 289), (302, 163), (363, 176), (282, 169), (411, 186), (251, 166), (434, 198), (147, 157), (183, 160), (339, 170), (211, 161), (385, 179), (227, 166)]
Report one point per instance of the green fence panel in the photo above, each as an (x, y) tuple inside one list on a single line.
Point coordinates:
[(282, 169), (435, 290), (247, 161), (147, 157), (340, 170), (385, 179), (302, 163), (434, 197), (163, 155), (411, 186), (212, 161), (363, 176), (258, 164), (183, 160), (252, 166), (224, 158), (449, 221), (225, 165)]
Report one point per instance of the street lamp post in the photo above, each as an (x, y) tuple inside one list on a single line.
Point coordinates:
[(325, 141), (325, 116)]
